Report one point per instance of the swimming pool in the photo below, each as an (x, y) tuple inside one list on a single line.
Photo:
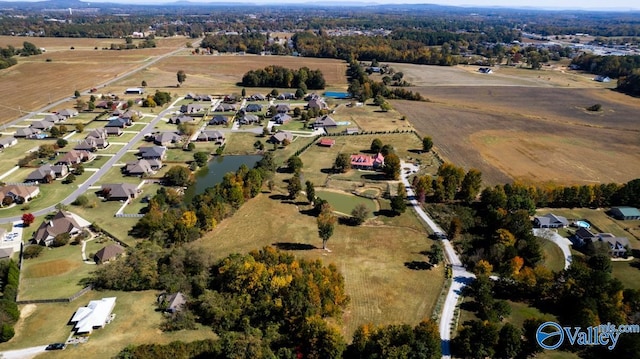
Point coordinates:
[(583, 224)]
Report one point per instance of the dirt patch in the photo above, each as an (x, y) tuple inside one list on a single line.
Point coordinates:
[(51, 268), (25, 312)]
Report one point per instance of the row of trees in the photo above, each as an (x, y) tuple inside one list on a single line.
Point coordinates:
[(630, 84), (612, 66), (278, 76), (159, 98), (361, 87), (450, 183), (9, 312)]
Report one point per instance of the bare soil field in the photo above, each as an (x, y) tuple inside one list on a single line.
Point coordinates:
[(532, 134), (52, 44), (220, 74), (464, 75)]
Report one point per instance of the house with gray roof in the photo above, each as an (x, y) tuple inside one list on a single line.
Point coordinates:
[(191, 108), (283, 108), (8, 141), (181, 119), (108, 253), (225, 107), (617, 245), (75, 157), (99, 133), (317, 103), (219, 120), (62, 222), (92, 144), (214, 136), (175, 302), (119, 122), (280, 136), (138, 168), (257, 97), (625, 213), (68, 112), (153, 152), (323, 122), (253, 107), (54, 118), (29, 132), (249, 119), (42, 125), (550, 221), (166, 138), (120, 191), (129, 115), (281, 118), (47, 173)]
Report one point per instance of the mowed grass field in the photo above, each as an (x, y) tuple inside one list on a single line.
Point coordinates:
[(531, 134), (220, 74), (345, 202), (371, 258), (136, 322)]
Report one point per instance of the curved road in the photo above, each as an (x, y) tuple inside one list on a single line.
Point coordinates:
[(96, 176), (461, 276)]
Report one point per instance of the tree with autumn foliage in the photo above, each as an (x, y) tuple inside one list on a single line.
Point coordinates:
[(28, 219), (326, 224)]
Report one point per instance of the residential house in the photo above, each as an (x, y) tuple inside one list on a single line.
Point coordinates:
[(230, 99), (352, 130), (120, 191), (47, 173), (286, 96), (582, 236), (74, 157), (191, 108), (8, 141), (113, 131), (280, 136), (281, 118), (249, 119), (600, 78), (317, 104), (153, 152), (367, 162), (128, 115), (225, 107), (138, 167), (283, 108), (485, 70), (257, 97), (54, 118), (166, 138), (617, 245), (18, 193), (324, 122), (550, 221), (175, 302), (119, 122), (62, 222), (42, 125), (68, 112), (99, 133), (104, 104), (92, 144), (191, 96), (108, 253), (253, 107), (29, 133), (214, 136), (181, 119), (95, 315), (625, 213), (326, 142), (219, 120), (134, 91)]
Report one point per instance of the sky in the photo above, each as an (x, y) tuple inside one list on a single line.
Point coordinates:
[(542, 4)]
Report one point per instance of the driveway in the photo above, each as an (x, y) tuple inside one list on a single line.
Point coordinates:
[(461, 277), (560, 241), (23, 353)]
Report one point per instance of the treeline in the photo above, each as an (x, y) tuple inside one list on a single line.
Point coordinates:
[(7, 54), (9, 312), (361, 87), (630, 84), (250, 42), (168, 221), (451, 182), (278, 76), (612, 66)]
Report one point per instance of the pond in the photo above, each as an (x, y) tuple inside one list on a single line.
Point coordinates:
[(216, 169)]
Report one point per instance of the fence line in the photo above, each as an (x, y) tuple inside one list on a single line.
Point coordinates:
[(58, 300)]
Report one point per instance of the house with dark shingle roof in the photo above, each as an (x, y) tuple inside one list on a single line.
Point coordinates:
[(153, 152), (139, 167), (280, 136), (68, 112), (47, 173), (225, 107), (53, 118), (176, 120), (8, 141), (99, 133), (92, 144), (219, 120), (283, 108), (324, 121), (27, 132), (42, 125), (62, 222), (191, 108), (19, 193), (281, 118), (166, 138), (120, 191), (253, 107), (108, 253), (317, 103), (212, 136), (74, 157), (119, 122), (249, 119)]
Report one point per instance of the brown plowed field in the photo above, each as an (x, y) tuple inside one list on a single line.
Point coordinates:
[(532, 134)]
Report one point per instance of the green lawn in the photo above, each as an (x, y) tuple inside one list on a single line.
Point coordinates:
[(241, 143), (9, 157), (103, 215), (294, 125), (553, 257), (56, 273), (345, 203), (627, 274), (522, 311), (114, 175)]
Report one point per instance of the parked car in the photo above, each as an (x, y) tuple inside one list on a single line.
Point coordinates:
[(439, 235), (56, 346)]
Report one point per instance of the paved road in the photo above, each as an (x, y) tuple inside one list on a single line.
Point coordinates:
[(23, 353), (461, 276), (559, 240)]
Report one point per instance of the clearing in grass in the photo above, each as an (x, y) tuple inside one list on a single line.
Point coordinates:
[(344, 203)]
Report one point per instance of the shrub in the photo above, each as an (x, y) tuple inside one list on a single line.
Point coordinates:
[(7, 332), (61, 240), (82, 200), (32, 251), (595, 108)]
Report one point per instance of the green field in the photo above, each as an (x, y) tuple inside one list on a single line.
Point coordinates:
[(627, 274), (345, 202), (103, 215), (553, 257)]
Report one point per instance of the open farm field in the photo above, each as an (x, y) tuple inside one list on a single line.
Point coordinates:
[(372, 259), (219, 74), (467, 75), (532, 134), (53, 44), (136, 322), (370, 118)]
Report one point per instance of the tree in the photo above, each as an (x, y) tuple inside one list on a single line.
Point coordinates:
[(326, 224), (392, 166), (342, 163), (427, 144), (294, 187), (294, 164), (32, 251), (61, 143), (258, 145), (191, 146), (144, 83), (310, 191), (376, 145), (55, 132), (76, 94), (182, 77), (91, 106), (359, 214), (509, 342), (69, 179), (27, 219), (243, 93), (79, 127), (178, 176), (201, 158), (399, 202), (385, 107), (286, 142), (471, 184), (436, 255)]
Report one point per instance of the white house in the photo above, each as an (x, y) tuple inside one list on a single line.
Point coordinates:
[(95, 315)]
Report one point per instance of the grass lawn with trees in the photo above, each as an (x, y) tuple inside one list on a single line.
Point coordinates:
[(102, 215), (373, 260), (553, 256), (345, 202)]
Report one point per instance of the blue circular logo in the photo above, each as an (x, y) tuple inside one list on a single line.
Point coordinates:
[(550, 335)]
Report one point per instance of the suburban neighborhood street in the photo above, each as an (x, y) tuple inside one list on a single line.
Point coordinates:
[(460, 276)]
